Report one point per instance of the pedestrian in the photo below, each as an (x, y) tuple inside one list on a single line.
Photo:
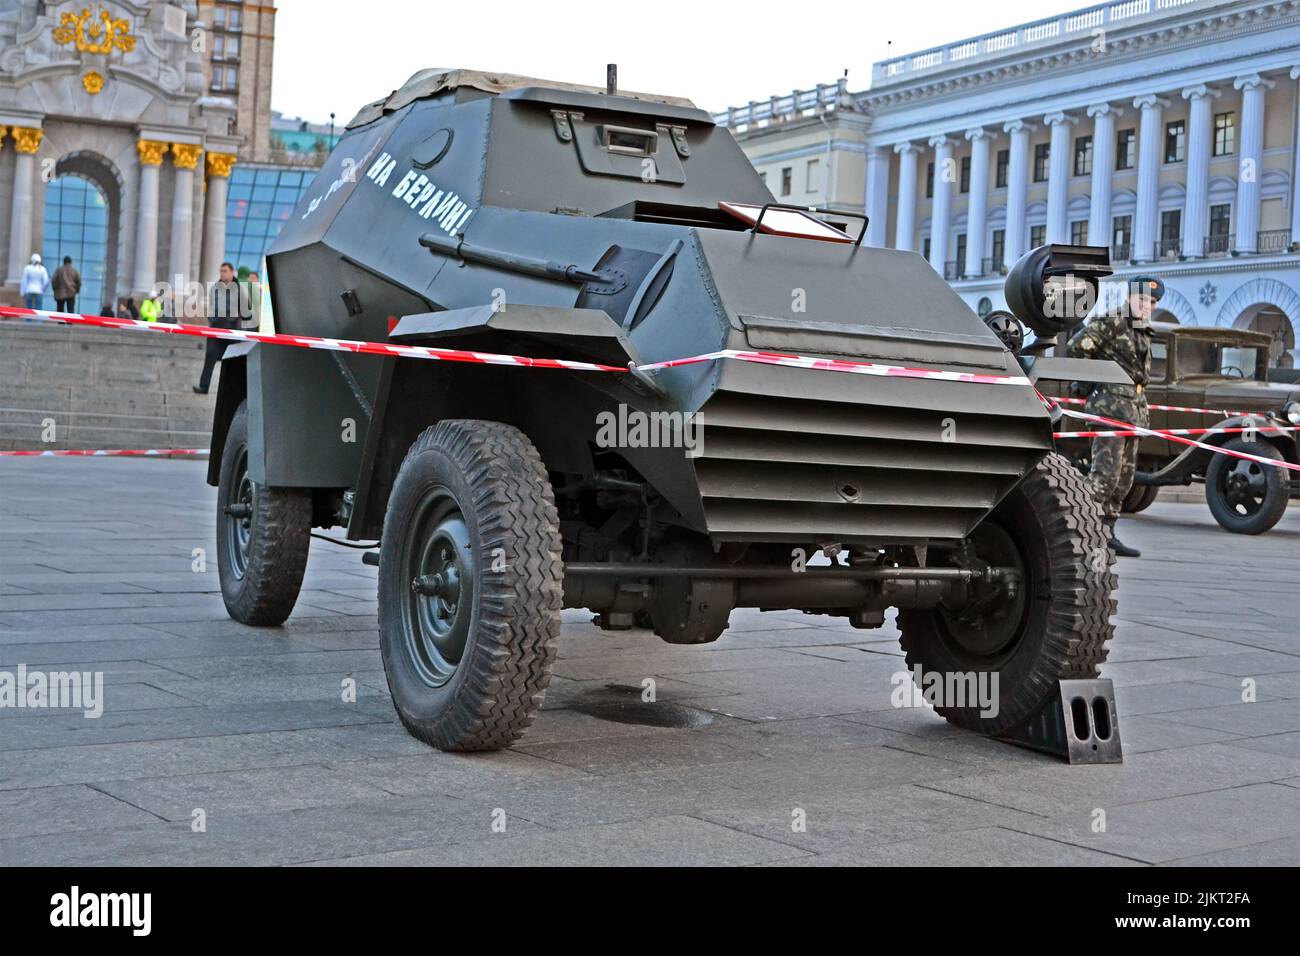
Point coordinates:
[(35, 281), (227, 309), (107, 310), (131, 311), (150, 310), (122, 311), (1122, 335), (67, 286)]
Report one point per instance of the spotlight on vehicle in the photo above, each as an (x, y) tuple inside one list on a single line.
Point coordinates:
[(1008, 328), (1053, 288)]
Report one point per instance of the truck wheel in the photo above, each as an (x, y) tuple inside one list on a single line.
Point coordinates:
[(470, 586), (1057, 627), (1246, 497), (263, 535), (1139, 498)]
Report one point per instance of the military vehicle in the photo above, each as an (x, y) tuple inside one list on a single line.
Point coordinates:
[(507, 216), (1225, 371)]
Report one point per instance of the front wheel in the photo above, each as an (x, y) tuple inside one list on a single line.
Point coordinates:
[(1057, 625), (1246, 497), (263, 535), (470, 586)]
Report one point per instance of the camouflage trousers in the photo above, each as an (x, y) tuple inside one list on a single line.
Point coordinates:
[(1114, 460)]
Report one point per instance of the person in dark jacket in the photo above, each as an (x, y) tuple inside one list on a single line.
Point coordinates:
[(227, 309), (66, 284)]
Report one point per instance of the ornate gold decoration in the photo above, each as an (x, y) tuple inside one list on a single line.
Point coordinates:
[(185, 155), (94, 34), (92, 82), (220, 164), (26, 139), (4, 131), (151, 151)]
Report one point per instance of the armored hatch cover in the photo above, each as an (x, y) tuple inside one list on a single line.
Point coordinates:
[(435, 80)]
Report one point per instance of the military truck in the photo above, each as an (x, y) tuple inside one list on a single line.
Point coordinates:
[(1224, 371), (503, 216)]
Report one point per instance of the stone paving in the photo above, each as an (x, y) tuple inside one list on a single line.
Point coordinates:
[(786, 713)]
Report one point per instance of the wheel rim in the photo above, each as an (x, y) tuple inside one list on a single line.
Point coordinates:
[(439, 569), (238, 511), (988, 636), (1244, 487)]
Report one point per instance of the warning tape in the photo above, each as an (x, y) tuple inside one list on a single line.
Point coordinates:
[(491, 358), (1139, 431), (1179, 431), (1175, 408), (105, 453)]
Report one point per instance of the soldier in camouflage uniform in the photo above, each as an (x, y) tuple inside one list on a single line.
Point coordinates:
[(1122, 335)]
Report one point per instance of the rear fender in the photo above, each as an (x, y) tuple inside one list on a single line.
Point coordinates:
[(232, 388)]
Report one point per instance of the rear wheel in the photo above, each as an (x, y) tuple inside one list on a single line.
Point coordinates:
[(1056, 627), (1246, 497), (470, 586), (1139, 498), (263, 535)]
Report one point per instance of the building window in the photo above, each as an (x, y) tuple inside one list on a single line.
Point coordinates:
[(965, 174), (261, 200), (1042, 161), (1083, 156), (228, 16), (1220, 219), (1122, 237), (1225, 134), (961, 256), (925, 248), (1079, 232), (76, 225), (1171, 233), (225, 47), (929, 181), (225, 79), (998, 249), (812, 182), (1037, 236), (1175, 141), (1004, 164), (787, 180), (1126, 149)]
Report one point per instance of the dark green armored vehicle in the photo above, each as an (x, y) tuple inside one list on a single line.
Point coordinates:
[(506, 216)]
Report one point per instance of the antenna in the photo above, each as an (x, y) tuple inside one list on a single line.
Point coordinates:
[(611, 79)]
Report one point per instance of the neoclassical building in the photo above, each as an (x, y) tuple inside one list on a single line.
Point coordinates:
[(1165, 129), (119, 129)]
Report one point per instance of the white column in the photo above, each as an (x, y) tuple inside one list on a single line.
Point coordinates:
[(1150, 140), (1103, 167), (977, 210), (1253, 88), (1200, 141), (941, 206), (146, 229), (1295, 175), (1017, 189), (1058, 177), (218, 168), (905, 221), (184, 157), (877, 195), (27, 141)]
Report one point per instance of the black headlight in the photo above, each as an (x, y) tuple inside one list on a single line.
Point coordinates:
[(1053, 288)]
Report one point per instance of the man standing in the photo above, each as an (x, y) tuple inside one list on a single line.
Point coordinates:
[(67, 286), (228, 308), (34, 283), (1123, 336)]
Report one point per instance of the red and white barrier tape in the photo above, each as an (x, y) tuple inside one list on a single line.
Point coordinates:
[(1139, 431), (491, 358), (1228, 413), (1179, 431), (105, 453)]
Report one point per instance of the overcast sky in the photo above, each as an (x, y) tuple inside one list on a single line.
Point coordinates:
[(337, 55)]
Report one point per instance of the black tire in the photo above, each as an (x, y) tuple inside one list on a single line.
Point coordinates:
[(469, 671), (261, 555), (1057, 627), (1246, 497), (1139, 498)]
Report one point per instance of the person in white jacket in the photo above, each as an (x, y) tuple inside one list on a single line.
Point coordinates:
[(34, 283)]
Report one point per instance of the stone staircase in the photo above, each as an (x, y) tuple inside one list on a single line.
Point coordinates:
[(103, 388)]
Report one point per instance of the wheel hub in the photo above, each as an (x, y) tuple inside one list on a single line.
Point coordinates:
[(238, 510), (439, 562), (991, 621)]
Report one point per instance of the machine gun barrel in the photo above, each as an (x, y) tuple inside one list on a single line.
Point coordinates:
[(526, 265)]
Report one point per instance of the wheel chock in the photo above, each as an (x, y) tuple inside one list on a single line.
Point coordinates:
[(1079, 723)]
